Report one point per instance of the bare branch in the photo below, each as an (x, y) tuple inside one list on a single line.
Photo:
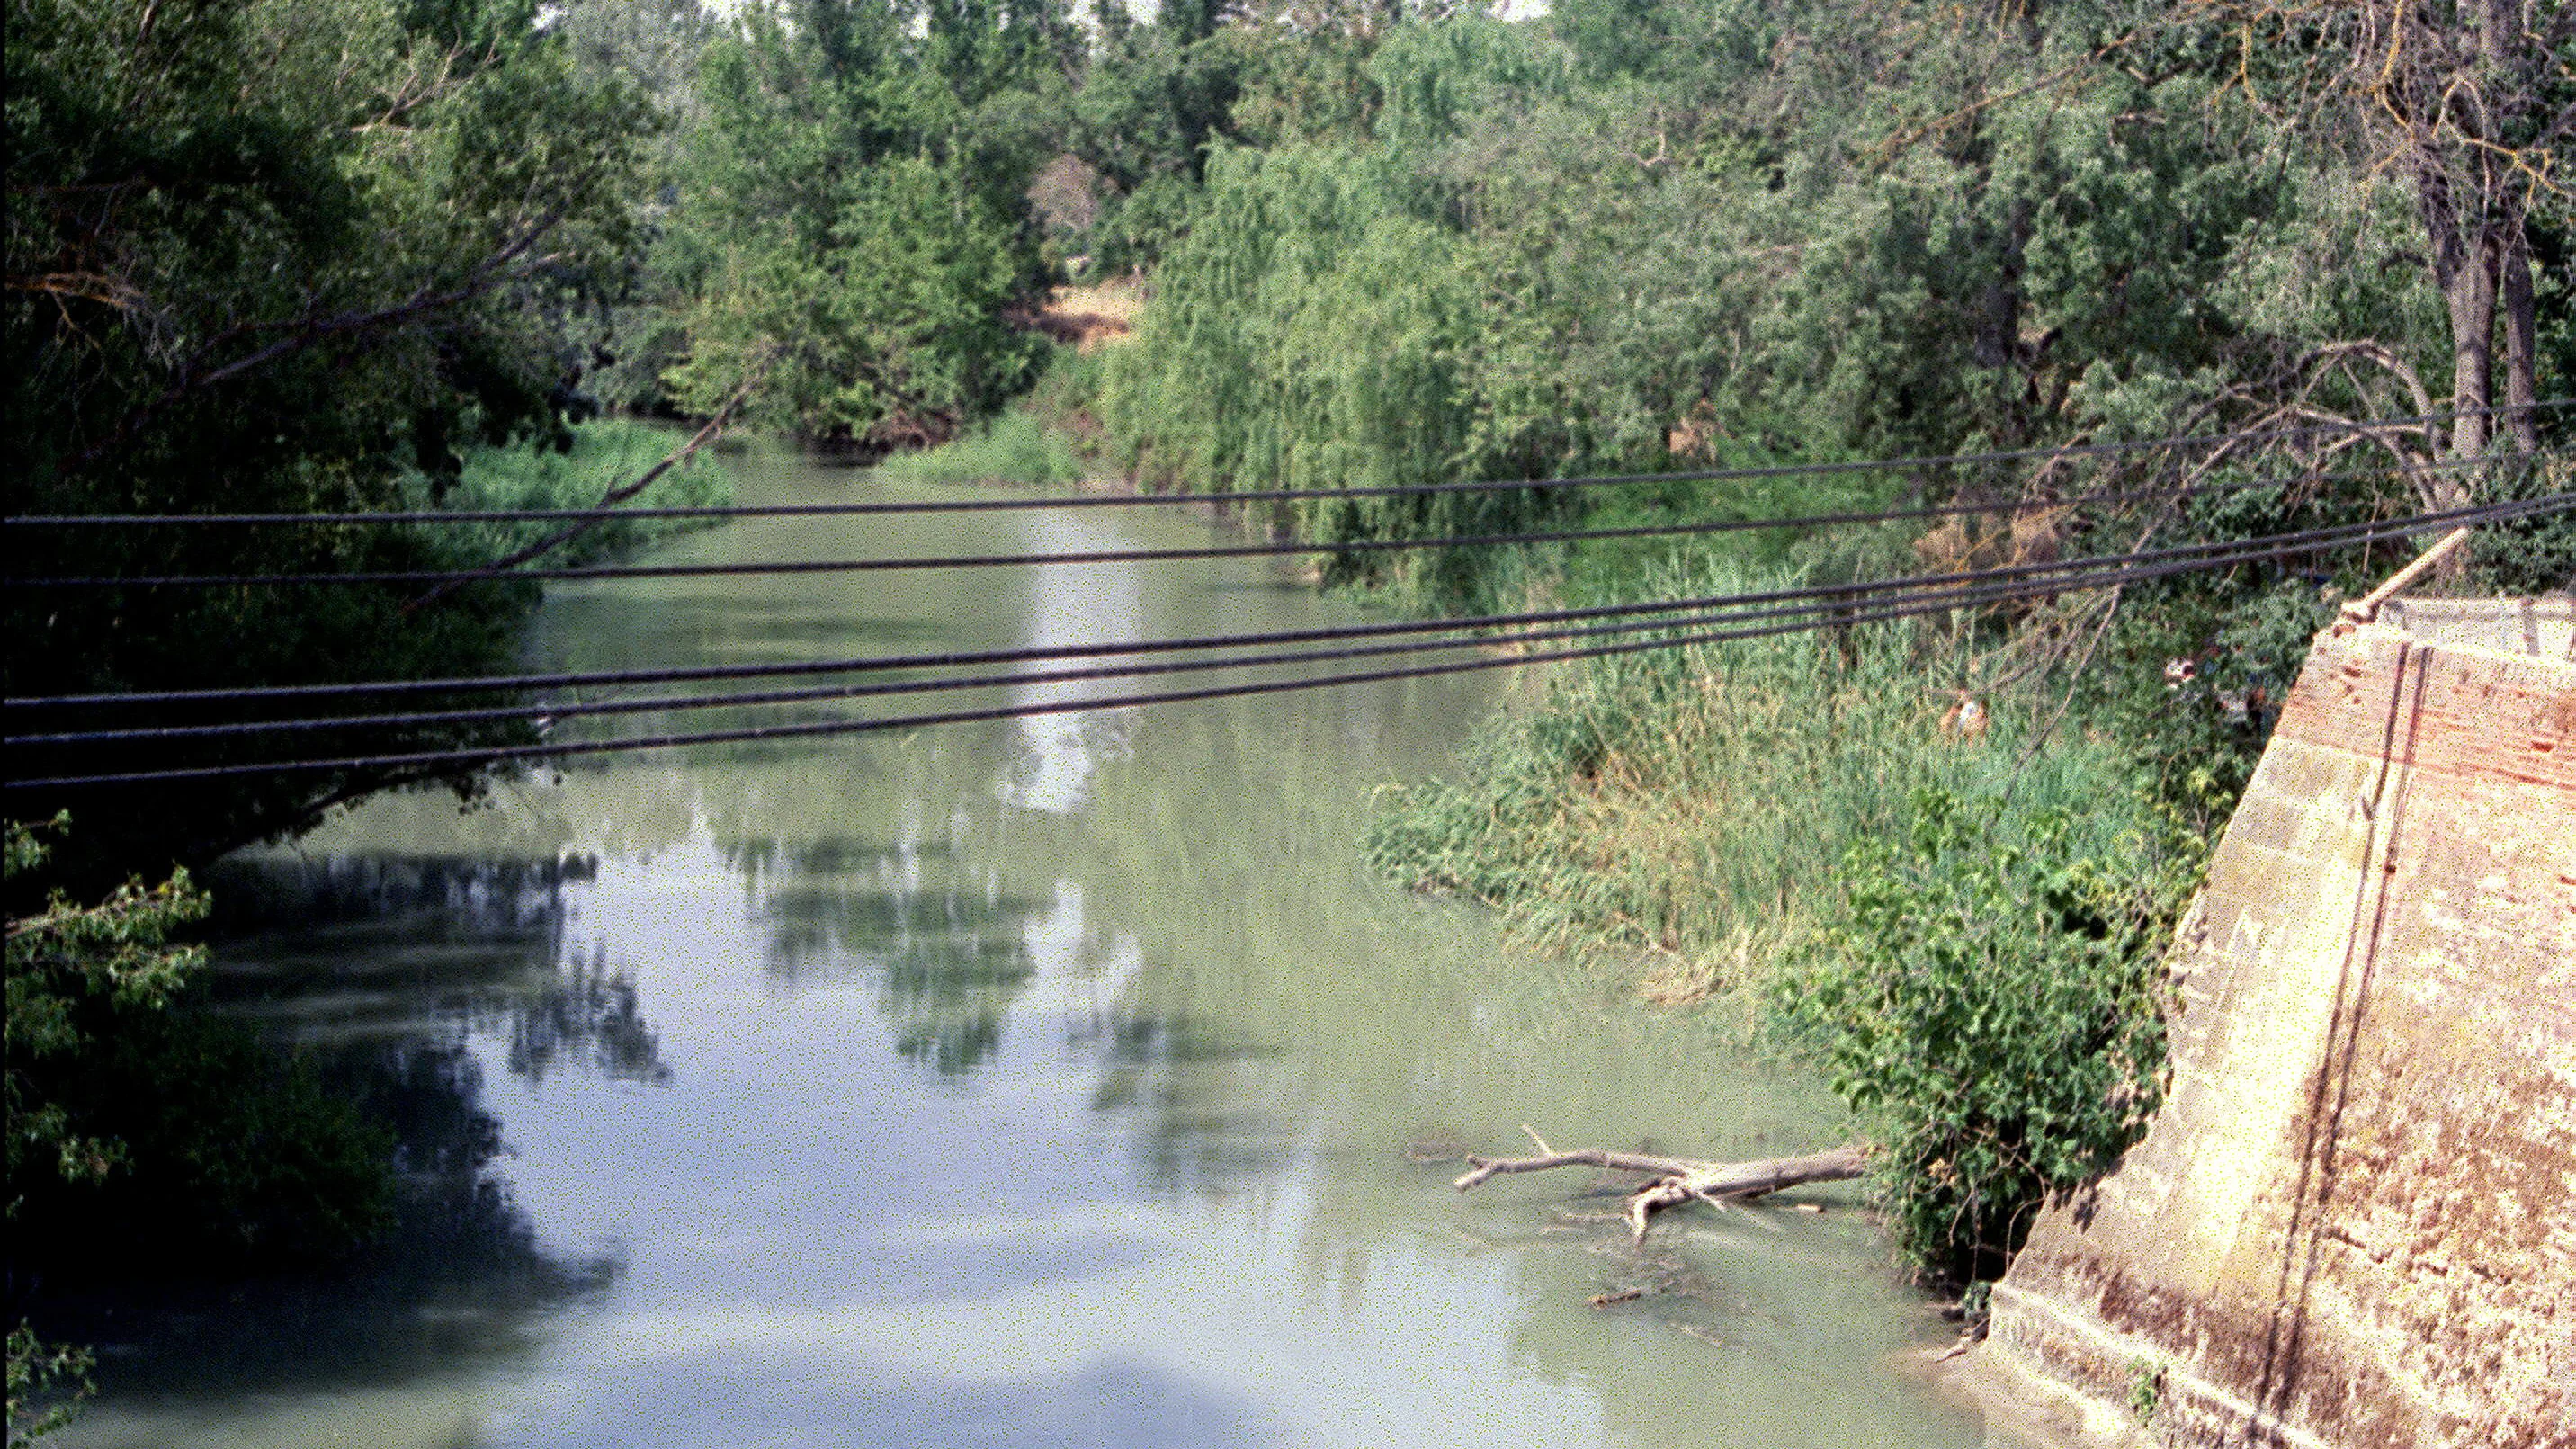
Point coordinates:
[(1678, 1180)]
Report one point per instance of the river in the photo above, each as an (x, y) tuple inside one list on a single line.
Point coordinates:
[(1066, 1081)]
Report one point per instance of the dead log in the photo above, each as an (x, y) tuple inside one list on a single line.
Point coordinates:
[(1673, 1181)]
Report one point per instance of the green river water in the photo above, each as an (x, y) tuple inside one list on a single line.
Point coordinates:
[(1066, 1081)]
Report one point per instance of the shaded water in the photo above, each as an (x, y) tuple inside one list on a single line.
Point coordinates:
[(1057, 1082)]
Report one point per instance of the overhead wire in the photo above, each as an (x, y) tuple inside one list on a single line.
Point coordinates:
[(1943, 587), (1058, 653), (1903, 605), (790, 567), (1271, 495)]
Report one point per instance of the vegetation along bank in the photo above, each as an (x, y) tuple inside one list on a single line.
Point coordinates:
[(391, 255)]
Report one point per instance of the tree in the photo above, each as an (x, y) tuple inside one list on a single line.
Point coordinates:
[(265, 255), (2474, 102), (1152, 98), (853, 221)]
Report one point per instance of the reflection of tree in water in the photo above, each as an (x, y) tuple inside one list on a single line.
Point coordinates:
[(587, 1012), (458, 1281), (948, 997), (462, 897), (384, 968), (364, 945), (1179, 1078), (944, 946)]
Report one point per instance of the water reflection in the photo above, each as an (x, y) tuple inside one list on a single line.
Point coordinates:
[(1039, 1083), (460, 1281), (588, 1015), (386, 970), (353, 948)]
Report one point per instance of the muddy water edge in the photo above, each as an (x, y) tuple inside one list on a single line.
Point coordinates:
[(1061, 1081)]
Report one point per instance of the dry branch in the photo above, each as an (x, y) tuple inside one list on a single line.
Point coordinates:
[(1677, 1180)]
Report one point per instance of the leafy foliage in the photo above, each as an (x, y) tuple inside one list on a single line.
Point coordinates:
[(145, 1136), (50, 1378), (291, 257), (1990, 1004), (853, 218), (68, 967)]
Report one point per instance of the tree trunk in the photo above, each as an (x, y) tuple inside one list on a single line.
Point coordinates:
[(2470, 298), (2503, 245), (2521, 342), (2456, 275)]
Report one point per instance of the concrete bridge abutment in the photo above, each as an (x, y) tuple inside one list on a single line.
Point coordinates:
[(2354, 1221)]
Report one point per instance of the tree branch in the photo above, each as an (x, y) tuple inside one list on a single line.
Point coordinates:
[(499, 568), (304, 332), (1678, 1180)]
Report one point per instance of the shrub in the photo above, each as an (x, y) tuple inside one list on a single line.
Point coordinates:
[(1989, 1002), (143, 1134)]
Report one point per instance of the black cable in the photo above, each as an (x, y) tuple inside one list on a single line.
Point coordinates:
[(1922, 603), (474, 757), (675, 703), (1269, 495), (1150, 555), (560, 710), (958, 659)]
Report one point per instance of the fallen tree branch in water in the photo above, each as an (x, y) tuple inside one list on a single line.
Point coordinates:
[(1677, 1180)]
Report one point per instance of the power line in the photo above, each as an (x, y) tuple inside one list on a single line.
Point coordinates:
[(1922, 602), (1271, 495), (747, 699), (791, 567), (474, 757), (562, 710), (1059, 653)]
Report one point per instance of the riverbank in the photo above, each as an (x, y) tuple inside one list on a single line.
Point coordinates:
[(1754, 820), (1059, 1081)]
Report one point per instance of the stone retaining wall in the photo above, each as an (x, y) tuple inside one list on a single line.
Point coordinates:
[(2354, 1221)]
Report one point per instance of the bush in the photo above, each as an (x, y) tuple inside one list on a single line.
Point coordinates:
[(1989, 1002), (143, 1135)]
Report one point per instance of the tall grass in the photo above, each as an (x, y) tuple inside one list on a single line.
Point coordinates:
[(531, 475), (1697, 802), (1016, 447)]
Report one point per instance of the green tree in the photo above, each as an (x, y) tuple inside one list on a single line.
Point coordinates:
[(2473, 102), (854, 222), (282, 256), (1152, 98), (51, 1379)]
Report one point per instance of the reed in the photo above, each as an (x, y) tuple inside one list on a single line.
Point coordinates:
[(600, 456), (1016, 447), (1695, 804)]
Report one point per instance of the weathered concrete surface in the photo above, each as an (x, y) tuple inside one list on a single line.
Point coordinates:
[(2354, 1221)]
